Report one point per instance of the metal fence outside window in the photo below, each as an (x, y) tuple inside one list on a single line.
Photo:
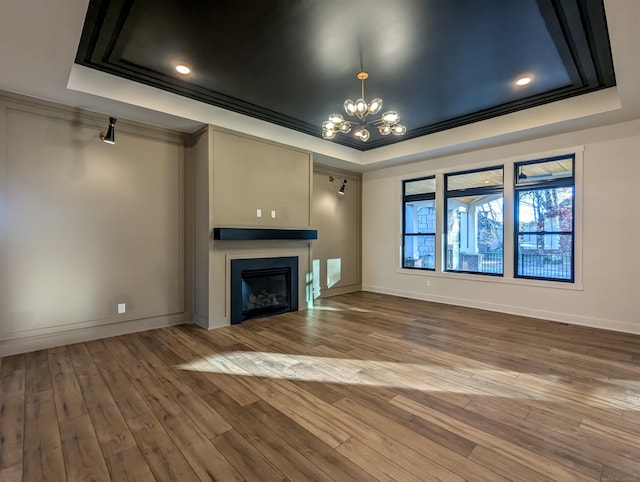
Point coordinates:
[(550, 266)]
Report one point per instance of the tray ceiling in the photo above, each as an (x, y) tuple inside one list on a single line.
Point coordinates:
[(440, 64)]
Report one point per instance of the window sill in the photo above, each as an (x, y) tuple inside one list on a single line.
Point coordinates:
[(561, 285)]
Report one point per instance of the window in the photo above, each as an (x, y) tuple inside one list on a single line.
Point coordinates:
[(544, 207), (468, 237), (474, 227), (419, 223)]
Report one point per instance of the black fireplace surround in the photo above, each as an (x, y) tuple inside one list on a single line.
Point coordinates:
[(263, 287)]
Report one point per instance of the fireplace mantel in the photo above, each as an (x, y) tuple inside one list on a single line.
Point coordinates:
[(251, 234)]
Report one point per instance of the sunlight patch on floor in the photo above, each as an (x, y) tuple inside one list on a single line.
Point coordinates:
[(331, 308), (360, 310), (324, 308), (414, 376)]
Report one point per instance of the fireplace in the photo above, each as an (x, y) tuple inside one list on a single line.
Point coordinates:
[(263, 287)]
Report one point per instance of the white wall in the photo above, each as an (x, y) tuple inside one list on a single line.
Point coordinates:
[(607, 235)]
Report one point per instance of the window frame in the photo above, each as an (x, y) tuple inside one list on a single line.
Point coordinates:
[(407, 198), (473, 191), (561, 182)]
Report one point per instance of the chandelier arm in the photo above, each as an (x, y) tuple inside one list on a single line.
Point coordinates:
[(378, 122)]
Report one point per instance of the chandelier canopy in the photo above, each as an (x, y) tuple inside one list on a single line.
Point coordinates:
[(388, 123)]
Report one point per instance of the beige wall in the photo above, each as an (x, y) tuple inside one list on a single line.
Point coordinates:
[(203, 200), (86, 225), (336, 252), (251, 174), (607, 234)]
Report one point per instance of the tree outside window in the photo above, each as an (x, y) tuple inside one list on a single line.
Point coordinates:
[(545, 222)]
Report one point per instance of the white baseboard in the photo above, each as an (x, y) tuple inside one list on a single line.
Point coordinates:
[(41, 342), (592, 322)]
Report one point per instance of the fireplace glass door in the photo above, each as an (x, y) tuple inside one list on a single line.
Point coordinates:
[(263, 287), (265, 292)]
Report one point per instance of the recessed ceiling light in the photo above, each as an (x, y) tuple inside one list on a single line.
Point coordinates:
[(183, 69), (522, 81)]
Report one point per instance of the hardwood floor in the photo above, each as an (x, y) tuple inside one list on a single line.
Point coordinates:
[(363, 387)]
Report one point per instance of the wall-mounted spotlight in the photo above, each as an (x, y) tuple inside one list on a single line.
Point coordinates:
[(110, 136), (344, 184)]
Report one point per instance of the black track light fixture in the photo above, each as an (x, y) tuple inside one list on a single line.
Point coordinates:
[(344, 184), (110, 136), (342, 188)]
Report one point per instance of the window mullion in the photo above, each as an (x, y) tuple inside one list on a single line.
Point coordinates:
[(441, 215), (509, 225)]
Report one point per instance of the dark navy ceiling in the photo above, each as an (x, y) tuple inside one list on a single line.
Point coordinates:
[(439, 63)]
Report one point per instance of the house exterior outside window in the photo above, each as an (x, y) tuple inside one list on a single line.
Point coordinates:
[(419, 223), (474, 221)]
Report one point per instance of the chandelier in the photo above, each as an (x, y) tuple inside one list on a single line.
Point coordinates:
[(360, 109)]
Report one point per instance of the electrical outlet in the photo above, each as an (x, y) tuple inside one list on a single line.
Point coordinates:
[(259, 213), (122, 308), (273, 214), (428, 282)]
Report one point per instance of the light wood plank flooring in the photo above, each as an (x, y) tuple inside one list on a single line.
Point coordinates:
[(363, 387)]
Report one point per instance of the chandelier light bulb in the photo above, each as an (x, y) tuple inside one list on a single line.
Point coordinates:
[(384, 129), (363, 134), (398, 130), (345, 127), (336, 119), (350, 107), (328, 125), (328, 134), (375, 106), (361, 106), (390, 117)]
